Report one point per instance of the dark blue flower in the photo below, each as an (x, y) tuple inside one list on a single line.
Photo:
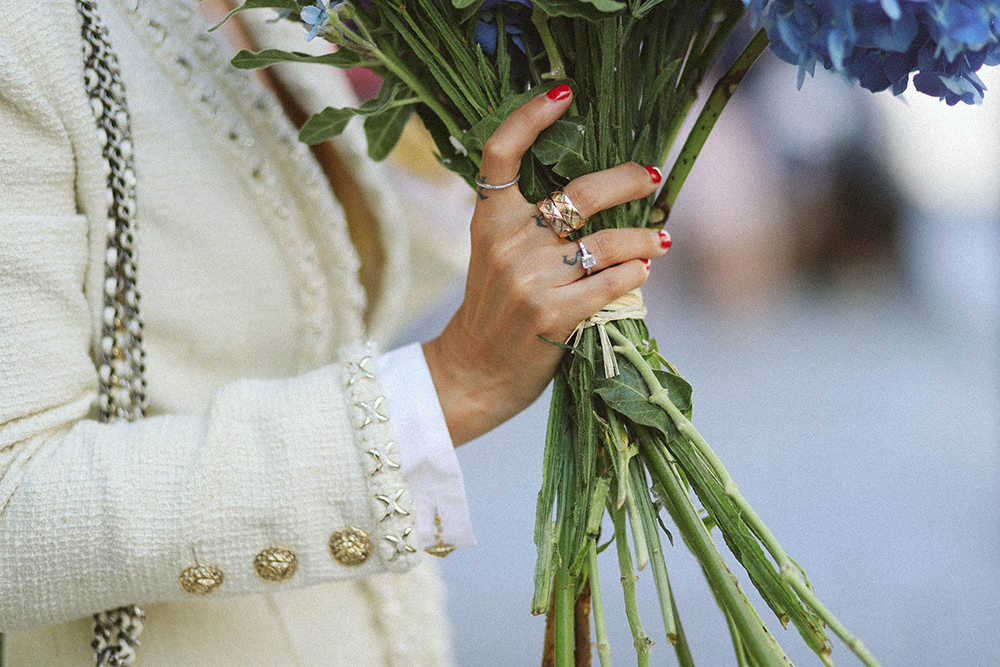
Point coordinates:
[(881, 42), (521, 35)]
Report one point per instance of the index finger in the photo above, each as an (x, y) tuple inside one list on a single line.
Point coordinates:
[(507, 145)]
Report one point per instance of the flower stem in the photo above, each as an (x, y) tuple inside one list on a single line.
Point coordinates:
[(564, 634), (642, 642), (656, 551), (790, 575), (625, 482), (741, 656), (404, 75), (546, 536), (717, 101), (603, 645), (556, 68)]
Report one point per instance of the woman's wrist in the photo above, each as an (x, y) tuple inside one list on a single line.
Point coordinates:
[(457, 390)]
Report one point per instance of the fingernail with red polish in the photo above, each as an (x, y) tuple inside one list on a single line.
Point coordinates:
[(647, 263), (655, 174), (665, 241), (560, 92)]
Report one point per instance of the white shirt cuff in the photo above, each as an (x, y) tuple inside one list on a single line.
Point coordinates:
[(430, 467)]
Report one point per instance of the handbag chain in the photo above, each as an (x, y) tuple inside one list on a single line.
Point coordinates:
[(121, 356)]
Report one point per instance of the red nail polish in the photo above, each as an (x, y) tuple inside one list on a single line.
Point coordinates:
[(647, 263), (655, 174), (560, 92), (665, 241)]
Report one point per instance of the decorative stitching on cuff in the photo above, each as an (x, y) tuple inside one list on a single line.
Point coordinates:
[(390, 502)]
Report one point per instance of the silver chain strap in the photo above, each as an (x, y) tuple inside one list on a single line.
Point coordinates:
[(123, 387)]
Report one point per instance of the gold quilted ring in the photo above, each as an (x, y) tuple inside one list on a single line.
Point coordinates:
[(561, 215)]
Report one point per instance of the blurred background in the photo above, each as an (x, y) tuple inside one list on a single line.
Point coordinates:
[(833, 294)]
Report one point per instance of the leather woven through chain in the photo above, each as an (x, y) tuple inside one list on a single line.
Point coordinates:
[(123, 388)]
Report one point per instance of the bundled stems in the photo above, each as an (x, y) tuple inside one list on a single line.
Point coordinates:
[(667, 607), (790, 574), (727, 592)]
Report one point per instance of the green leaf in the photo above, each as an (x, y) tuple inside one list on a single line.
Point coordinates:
[(466, 13), (330, 122), (641, 143), (259, 4), (652, 93), (572, 166), (532, 183), (503, 58), (593, 10), (561, 139), (628, 394), (343, 58), (646, 6), (556, 343), (384, 129)]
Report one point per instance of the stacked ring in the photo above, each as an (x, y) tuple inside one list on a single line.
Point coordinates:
[(486, 186), (560, 214), (587, 259)]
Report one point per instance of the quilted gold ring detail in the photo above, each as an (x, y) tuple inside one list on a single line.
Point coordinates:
[(561, 214)]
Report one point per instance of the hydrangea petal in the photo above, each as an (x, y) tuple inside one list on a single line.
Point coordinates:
[(880, 43), (892, 9), (837, 46)]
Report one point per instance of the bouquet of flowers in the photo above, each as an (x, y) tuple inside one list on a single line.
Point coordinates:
[(620, 439)]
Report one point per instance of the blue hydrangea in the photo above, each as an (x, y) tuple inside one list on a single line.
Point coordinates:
[(520, 32), (881, 42)]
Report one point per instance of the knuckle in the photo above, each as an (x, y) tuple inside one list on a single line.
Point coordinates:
[(638, 180), (540, 317), (522, 288), (602, 245), (617, 283), (637, 275), (583, 198), (496, 150), (626, 278)]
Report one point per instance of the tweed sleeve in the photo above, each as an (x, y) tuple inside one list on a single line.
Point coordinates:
[(94, 516)]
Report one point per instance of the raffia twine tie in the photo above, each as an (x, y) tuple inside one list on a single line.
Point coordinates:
[(626, 307)]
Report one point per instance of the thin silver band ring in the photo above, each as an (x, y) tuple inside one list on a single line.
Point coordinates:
[(587, 259), (487, 186)]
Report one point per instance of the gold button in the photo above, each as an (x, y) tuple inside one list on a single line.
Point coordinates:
[(275, 564), (350, 546), (201, 579)]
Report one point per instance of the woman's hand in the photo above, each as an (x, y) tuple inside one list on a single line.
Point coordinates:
[(524, 281)]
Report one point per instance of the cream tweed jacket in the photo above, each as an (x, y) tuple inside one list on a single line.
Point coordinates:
[(256, 436)]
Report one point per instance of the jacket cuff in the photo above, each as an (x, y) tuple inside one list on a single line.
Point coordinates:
[(390, 501), (429, 465)]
